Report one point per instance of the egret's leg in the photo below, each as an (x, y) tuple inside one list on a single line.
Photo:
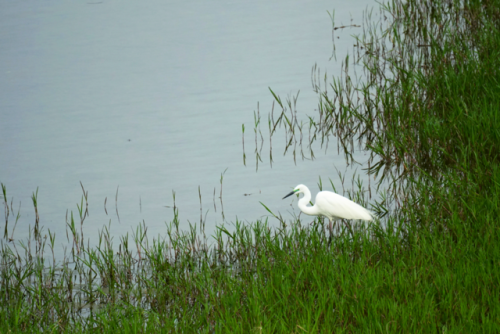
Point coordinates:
[(337, 226), (330, 228), (349, 227)]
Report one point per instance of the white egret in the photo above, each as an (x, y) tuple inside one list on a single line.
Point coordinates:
[(330, 205)]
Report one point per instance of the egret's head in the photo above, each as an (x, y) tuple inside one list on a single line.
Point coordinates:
[(297, 190)]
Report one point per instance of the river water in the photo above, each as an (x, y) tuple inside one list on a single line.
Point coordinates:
[(147, 98)]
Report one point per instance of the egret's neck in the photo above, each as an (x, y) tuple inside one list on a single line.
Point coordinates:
[(308, 210)]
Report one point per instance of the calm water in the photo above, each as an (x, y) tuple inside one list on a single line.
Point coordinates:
[(150, 97)]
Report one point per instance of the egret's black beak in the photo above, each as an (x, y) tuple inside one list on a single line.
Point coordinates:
[(290, 194)]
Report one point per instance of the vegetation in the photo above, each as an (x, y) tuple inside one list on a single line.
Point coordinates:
[(427, 110)]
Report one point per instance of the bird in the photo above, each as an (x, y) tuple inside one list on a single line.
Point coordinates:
[(330, 205)]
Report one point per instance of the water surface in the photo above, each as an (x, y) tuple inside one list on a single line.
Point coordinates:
[(150, 97)]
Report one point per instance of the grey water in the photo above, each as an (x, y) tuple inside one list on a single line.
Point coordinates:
[(143, 99)]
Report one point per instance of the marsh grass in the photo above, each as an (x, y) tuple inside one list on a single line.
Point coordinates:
[(427, 110), (252, 278)]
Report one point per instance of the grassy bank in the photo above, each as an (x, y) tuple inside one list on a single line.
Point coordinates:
[(295, 279), (427, 110)]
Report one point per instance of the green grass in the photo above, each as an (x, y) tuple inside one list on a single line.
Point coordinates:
[(287, 280), (428, 113)]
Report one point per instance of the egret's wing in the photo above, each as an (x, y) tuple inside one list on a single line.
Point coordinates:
[(334, 206)]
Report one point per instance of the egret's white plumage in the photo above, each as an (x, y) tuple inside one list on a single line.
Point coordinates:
[(331, 205)]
